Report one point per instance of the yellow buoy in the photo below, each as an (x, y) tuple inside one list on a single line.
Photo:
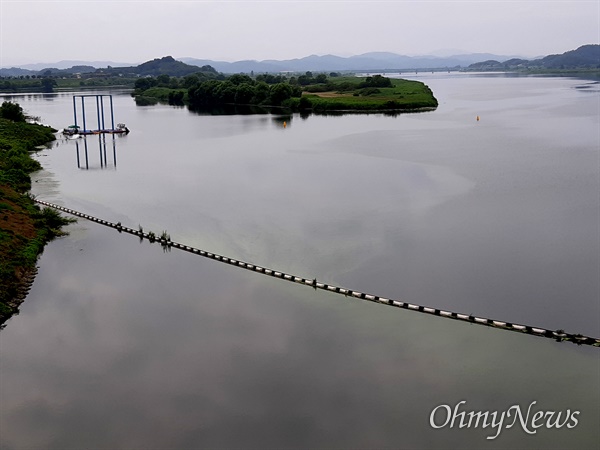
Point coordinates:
[(284, 124), (477, 118)]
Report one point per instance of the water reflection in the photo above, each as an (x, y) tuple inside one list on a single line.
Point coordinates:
[(120, 345), (230, 110), (282, 120), (277, 112), (83, 155), (593, 86)]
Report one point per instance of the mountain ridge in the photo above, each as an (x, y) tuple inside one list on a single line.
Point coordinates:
[(365, 61), (362, 62), (585, 56)]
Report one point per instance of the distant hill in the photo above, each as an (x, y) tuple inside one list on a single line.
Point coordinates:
[(585, 57), (160, 66), (167, 65), (46, 71), (66, 64), (16, 72), (374, 61)]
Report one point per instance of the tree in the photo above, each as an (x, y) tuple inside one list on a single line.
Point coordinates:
[(163, 80), (240, 78), (226, 92), (304, 104), (208, 68), (305, 79), (270, 78), (190, 81), (244, 94), (12, 111), (205, 94), (280, 92), (176, 97), (261, 93), (144, 83), (48, 84), (376, 81)]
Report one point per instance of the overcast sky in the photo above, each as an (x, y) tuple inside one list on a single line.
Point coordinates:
[(129, 31)]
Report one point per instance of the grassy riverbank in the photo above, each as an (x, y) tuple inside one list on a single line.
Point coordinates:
[(24, 227)]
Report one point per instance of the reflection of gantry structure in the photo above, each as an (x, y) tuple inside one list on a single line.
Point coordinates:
[(102, 150), (102, 128)]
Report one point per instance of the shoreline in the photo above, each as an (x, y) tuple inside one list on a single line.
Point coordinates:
[(23, 286), (25, 228)]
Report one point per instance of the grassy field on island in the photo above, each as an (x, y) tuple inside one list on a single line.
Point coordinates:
[(348, 95)]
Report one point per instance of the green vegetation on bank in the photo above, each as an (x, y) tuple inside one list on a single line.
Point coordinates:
[(306, 93), (24, 227)]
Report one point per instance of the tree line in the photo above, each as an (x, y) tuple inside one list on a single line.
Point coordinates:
[(46, 84), (209, 90)]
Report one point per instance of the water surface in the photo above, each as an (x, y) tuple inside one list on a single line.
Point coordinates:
[(121, 345)]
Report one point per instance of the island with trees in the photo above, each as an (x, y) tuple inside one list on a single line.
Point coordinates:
[(320, 93)]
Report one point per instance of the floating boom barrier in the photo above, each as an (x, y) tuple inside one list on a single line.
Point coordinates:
[(165, 241)]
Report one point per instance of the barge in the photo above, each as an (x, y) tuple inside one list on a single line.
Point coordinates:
[(73, 130), (102, 128)]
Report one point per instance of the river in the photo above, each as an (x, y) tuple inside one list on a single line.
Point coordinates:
[(487, 206)]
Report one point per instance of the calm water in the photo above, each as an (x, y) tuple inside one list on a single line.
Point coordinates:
[(120, 345)]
